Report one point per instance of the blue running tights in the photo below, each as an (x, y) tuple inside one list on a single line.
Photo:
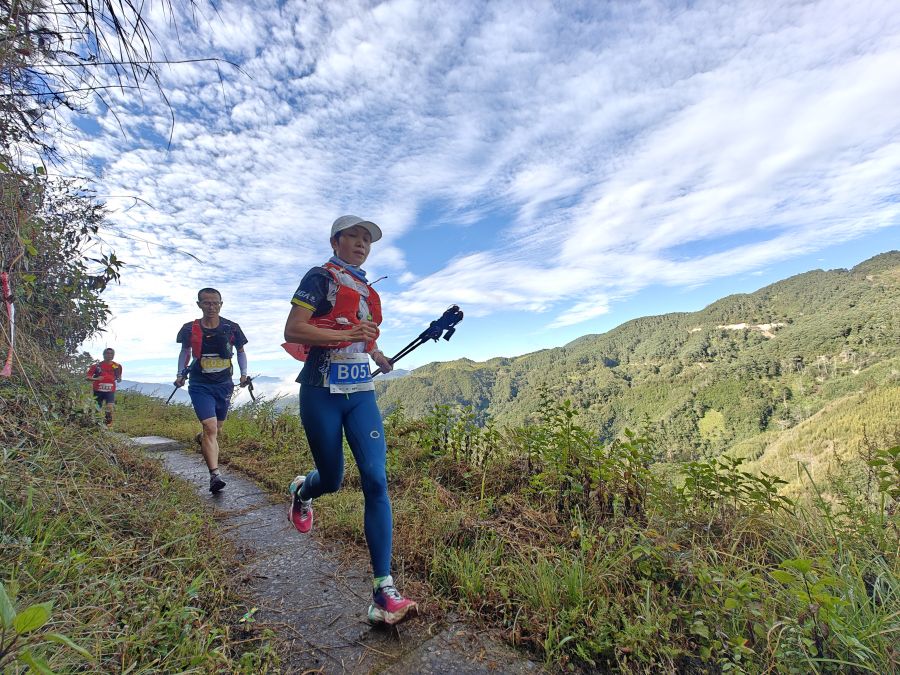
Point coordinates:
[(326, 417)]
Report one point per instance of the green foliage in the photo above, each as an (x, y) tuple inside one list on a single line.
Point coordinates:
[(47, 56), (452, 432), (887, 470), (464, 572), (711, 426), (16, 625), (97, 543), (573, 469), (46, 227), (87, 575), (705, 383), (50, 240), (836, 438), (719, 483)]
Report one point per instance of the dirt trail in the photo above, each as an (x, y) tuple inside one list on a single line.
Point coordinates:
[(322, 617)]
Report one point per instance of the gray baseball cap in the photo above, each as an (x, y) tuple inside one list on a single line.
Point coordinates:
[(346, 222)]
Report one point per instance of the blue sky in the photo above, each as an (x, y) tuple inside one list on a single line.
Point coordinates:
[(553, 168)]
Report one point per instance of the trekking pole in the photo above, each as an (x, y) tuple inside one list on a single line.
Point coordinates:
[(444, 326), (177, 387)]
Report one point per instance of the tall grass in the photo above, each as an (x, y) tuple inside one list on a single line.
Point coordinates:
[(584, 553), (131, 569)]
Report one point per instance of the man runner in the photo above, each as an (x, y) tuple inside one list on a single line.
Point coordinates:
[(103, 377), (211, 341)]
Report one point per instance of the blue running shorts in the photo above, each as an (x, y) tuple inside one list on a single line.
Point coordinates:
[(211, 400)]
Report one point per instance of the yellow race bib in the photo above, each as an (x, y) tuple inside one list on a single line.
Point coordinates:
[(214, 364)]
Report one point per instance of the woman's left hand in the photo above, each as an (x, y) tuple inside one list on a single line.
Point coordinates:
[(382, 361)]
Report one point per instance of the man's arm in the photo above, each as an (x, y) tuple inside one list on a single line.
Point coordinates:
[(183, 357), (242, 364)]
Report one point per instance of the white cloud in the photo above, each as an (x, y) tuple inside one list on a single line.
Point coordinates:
[(596, 155)]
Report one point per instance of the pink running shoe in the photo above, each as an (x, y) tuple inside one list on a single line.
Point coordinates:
[(389, 607), (300, 513)]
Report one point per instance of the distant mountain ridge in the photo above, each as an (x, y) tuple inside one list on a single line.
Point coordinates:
[(162, 390), (156, 389), (746, 365), (264, 386)]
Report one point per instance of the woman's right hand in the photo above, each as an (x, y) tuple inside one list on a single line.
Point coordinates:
[(298, 330), (364, 331)]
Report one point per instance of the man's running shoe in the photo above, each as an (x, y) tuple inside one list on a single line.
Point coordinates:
[(301, 512), (389, 607), (216, 483)]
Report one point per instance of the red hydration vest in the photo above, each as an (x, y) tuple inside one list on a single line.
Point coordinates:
[(225, 347), (108, 372), (343, 315)]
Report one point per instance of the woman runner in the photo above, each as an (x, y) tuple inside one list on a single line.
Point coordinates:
[(333, 326)]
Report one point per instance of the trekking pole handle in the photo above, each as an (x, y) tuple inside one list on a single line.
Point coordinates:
[(444, 326), (248, 382), (390, 360)]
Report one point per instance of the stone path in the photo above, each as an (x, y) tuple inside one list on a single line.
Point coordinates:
[(322, 619)]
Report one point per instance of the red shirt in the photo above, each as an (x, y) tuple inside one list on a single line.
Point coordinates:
[(109, 373)]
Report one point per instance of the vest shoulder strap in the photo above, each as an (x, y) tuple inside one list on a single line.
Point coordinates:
[(196, 338), (333, 270)]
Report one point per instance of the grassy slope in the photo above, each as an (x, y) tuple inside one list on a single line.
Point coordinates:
[(841, 432), (136, 573), (700, 582)]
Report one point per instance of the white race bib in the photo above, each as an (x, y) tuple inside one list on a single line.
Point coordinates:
[(104, 386)]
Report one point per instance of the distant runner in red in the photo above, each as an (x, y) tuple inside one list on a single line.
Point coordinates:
[(104, 376)]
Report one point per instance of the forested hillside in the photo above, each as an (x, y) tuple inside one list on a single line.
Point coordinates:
[(744, 370)]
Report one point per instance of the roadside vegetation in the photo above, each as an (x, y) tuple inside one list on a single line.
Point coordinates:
[(591, 557), (106, 565), (113, 565)]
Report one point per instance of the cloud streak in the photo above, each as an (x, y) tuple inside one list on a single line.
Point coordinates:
[(587, 152)]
